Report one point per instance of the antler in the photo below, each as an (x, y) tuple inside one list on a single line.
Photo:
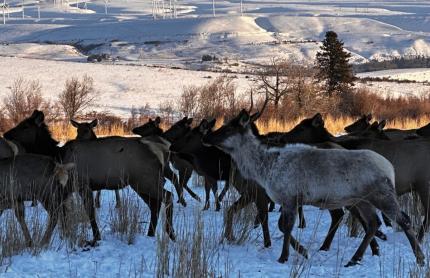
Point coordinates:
[(252, 103), (259, 113)]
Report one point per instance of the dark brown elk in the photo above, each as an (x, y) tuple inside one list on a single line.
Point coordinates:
[(392, 133), (104, 163), (85, 131), (28, 177), (152, 131), (334, 178), (209, 162)]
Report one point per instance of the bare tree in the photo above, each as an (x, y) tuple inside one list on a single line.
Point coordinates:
[(24, 97), (273, 81), (77, 96)]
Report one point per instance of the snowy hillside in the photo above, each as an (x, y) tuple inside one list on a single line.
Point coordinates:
[(371, 30)]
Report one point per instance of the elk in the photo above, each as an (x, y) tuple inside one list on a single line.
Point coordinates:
[(151, 131), (104, 163), (411, 176), (209, 162), (289, 175), (392, 133), (85, 131), (28, 177)]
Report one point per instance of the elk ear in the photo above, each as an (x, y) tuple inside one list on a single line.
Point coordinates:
[(94, 123), (38, 118), (369, 117), (203, 126), (157, 121), (74, 123), (244, 118), (374, 125), (317, 120), (61, 172), (211, 124), (382, 124)]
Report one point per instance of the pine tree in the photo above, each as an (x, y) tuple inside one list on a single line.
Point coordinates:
[(333, 66)]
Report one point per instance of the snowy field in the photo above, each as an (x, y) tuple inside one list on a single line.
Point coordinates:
[(115, 258), (122, 87)]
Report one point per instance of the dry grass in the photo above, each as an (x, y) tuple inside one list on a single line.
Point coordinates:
[(126, 221)]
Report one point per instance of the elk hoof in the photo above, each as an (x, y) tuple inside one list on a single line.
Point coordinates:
[(381, 235), (206, 207), (375, 252), (230, 237), (218, 207), (352, 263), (117, 206), (172, 236), (283, 259), (182, 202), (324, 248), (302, 225), (90, 243)]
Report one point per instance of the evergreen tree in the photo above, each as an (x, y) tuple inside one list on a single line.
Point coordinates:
[(333, 66)]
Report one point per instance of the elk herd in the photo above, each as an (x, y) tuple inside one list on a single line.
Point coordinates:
[(363, 171)]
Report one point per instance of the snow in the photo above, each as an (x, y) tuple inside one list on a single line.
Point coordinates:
[(419, 75), (113, 257), (121, 87), (290, 29)]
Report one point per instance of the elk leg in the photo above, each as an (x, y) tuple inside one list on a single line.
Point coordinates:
[(168, 202), (168, 174), (207, 192), (192, 193), (20, 215), (285, 223), (154, 205), (373, 243), (391, 208), (224, 191), (336, 218), (97, 199), (53, 218), (238, 205), (271, 206), (302, 222), (263, 216), (87, 197), (184, 177), (117, 198), (424, 198), (366, 211), (387, 220), (214, 189)]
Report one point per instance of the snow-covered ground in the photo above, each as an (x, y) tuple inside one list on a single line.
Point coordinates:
[(291, 29), (419, 75), (115, 258), (121, 87)]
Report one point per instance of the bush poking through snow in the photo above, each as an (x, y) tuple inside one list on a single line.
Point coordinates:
[(195, 252), (126, 221)]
